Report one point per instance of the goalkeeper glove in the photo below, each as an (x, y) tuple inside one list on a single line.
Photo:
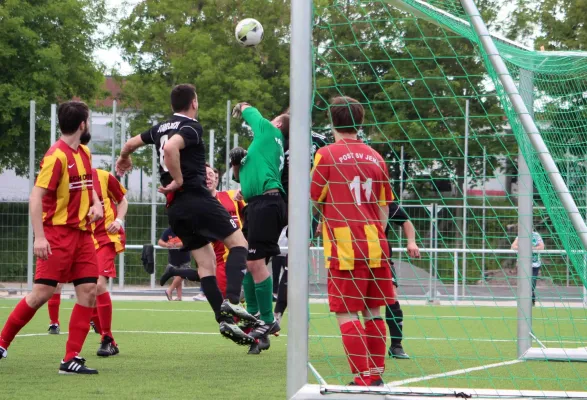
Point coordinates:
[(237, 111), (236, 155)]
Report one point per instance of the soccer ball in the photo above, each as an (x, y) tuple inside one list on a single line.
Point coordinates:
[(249, 32)]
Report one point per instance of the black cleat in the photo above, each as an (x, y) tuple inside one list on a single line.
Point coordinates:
[(93, 327), (54, 329), (397, 351), (169, 272), (262, 344), (231, 331), (236, 310), (77, 365), (378, 382), (3, 353), (107, 348), (265, 329)]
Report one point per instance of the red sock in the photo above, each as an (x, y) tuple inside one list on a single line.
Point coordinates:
[(96, 320), (78, 330), (353, 340), (53, 305), (19, 317), (104, 303), (376, 343)]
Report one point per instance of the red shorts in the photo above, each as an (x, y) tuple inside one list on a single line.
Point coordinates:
[(72, 257), (106, 255), (359, 289), (221, 277)]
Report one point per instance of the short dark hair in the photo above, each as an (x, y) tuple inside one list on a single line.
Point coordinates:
[(284, 119), (182, 96), (346, 114), (70, 115)]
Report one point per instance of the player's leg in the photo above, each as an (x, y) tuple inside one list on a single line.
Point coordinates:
[(108, 346), (345, 299), (221, 277), (281, 303), (394, 316), (53, 307), (276, 266), (175, 285), (535, 272), (84, 275)]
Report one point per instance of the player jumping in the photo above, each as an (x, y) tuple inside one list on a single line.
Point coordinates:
[(194, 215), (351, 183), (259, 173), (62, 205)]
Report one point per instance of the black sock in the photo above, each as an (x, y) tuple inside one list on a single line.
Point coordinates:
[(213, 294), (187, 273), (236, 266), (394, 316), (281, 304), (276, 264)]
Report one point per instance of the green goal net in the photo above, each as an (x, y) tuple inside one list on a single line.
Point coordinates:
[(437, 112)]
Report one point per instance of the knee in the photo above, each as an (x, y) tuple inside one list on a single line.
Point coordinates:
[(86, 294), (207, 268), (39, 296), (101, 288)]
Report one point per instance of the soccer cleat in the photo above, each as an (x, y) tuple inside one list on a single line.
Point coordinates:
[(169, 272), (262, 344), (278, 317), (3, 353), (77, 365), (397, 351), (265, 329), (231, 331), (377, 382), (93, 327), (54, 329), (107, 347), (248, 326), (235, 310), (200, 297)]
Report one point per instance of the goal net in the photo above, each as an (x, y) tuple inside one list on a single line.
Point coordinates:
[(438, 113)]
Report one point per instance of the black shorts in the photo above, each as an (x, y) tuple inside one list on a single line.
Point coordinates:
[(197, 219), (264, 219)]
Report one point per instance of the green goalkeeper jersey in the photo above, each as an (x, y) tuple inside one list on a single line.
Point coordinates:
[(261, 169)]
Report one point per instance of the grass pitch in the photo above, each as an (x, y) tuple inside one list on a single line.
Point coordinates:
[(172, 350)]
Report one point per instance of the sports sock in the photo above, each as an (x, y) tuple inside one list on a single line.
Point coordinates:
[(394, 317), (250, 295), (376, 344), (281, 303), (19, 317), (353, 341), (78, 330), (277, 263), (186, 273), (264, 294), (236, 266), (213, 295), (96, 320), (53, 306), (104, 303)]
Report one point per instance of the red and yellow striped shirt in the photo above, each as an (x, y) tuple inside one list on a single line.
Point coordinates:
[(67, 175), (110, 192), (234, 208)]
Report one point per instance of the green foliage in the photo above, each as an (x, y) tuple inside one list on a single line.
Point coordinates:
[(168, 42), (45, 55)]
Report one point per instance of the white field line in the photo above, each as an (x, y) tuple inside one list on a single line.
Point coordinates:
[(317, 336), (453, 373), (409, 317)]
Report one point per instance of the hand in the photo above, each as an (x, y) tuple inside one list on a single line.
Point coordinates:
[(42, 248), (172, 187), (114, 227), (123, 165), (413, 250), (238, 196), (319, 229), (237, 111), (96, 212)]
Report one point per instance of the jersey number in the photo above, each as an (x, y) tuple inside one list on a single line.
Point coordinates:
[(162, 142), (355, 187)]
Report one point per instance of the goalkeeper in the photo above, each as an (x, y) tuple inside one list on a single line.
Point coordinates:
[(394, 316), (259, 173)]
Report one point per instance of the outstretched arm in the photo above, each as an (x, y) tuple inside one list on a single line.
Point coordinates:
[(124, 163)]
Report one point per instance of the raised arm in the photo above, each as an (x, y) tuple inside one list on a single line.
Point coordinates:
[(124, 162)]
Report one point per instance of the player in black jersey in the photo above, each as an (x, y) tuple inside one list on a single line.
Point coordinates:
[(393, 312), (195, 216), (318, 141)]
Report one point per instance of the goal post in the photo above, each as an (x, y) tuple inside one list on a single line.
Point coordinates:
[(471, 344)]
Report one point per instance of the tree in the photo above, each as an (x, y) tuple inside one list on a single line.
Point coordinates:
[(168, 42), (46, 51)]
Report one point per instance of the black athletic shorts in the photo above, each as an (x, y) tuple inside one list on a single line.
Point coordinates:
[(197, 219), (264, 219)]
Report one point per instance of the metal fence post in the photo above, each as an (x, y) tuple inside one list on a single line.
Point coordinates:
[(32, 127), (153, 206), (53, 136), (211, 153), (113, 150), (228, 114), (465, 188), (121, 265)]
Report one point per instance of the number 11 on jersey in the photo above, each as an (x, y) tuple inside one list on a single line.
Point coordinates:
[(355, 188)]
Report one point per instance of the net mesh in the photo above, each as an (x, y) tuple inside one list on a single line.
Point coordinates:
[(414, 65)]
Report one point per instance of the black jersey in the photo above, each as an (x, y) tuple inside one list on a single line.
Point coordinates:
[(397, 215), (318, 141), (192, 156)]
